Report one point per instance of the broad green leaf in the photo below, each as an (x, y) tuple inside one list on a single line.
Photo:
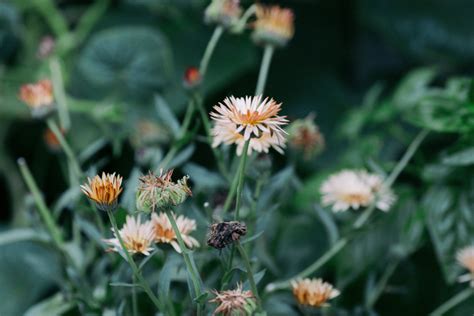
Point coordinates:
[(55, 305), (203, 179), (166, 115), (413, 87), (21, 234), (461, 158)]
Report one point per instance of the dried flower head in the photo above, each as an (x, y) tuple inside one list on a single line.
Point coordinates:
[(274, 25), (39, 98), (240, 119), (155, 191), (164, 233), (192, 77), (313, 292), (104, 191), (354, 189), (225, 233), (223, 12), (234, 302), (46, 47), (137, 237), (465, 258), (304, 135)]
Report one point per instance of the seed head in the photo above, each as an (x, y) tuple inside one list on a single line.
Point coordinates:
[(225, 233)]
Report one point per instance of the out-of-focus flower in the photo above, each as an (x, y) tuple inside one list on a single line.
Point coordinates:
[(223, 12), (274, 25), (304, 135), (156, 191), (313, 292), (39, 97), (354, 189), (148, 133), (137, 237), (225, 233), (45, 47), (164, 233), (104, 191), (240, 119), (234, 302), (51, 140), (465, 258), (192, 77)]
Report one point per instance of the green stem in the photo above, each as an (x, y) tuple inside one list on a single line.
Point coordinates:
[(264, 67), (364, 217), (335, 249), (89, 19), (246, 261), (136, 271), (379, 288), (134, 298), (188, 259), (59, 93), (452, 302), (241, 177), (53, 16), (44, 211), (210, 50)]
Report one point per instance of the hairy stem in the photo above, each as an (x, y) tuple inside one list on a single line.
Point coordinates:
[(241, 177)]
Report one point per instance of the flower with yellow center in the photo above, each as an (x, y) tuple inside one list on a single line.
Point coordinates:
[(234, 302), (274, 25), (137, 237), (164, 233), (104, 191), (465, 258), (354, 189), (39, 97), (313, 292)]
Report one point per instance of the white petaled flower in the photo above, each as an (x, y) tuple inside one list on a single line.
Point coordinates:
[(238, 120), (137, 237), (465, 258), (164, 233), (313, 292), (354, 189)]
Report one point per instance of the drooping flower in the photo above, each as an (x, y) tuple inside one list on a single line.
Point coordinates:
[(234, 302), (304, 135), (313, 292), (354, 189), (164, 233), (274, 25), (223, 12), (225, 233), (156, 191), (240, 119), (465, 258), (104, 191), (137, 237), (39, 97)]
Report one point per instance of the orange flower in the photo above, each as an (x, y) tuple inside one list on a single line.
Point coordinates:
[(164, 233), (313, 292), (104, 191), (39, 97), (274, 25)]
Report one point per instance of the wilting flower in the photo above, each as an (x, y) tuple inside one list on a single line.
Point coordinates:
[(104, 191), (274, 25), (223, 12), (39, 97), (354, 189), (164, 233), (137, 237), (313, 292), (225, 233), (45, 47), (240, 119), (192, 77), (234, 302), (465, 258), (155, 191), (304, 135)]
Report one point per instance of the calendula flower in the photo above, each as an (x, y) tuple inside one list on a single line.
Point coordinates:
[(304, 135), (465, 258), (137, 237), (313, 292), (155, 191), (234, 302), (39, 97), (192, 77), (355, 189), (274, 25), (164, 233), (104, 191), (223, 12), (225, 233)]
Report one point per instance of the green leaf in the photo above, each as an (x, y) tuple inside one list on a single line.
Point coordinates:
[(166, 115), (413, 87), (461, 158), (257, 277), (21, 234), (53, 306), (203, 178), (167, 273)]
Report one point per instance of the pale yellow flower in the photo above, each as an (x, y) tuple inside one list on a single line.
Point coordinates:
[(313, 292), (274, 25), (39, 97), (164, 233)]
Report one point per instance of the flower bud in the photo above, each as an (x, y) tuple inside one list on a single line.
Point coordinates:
[(274, 26), (223, 12), (304, 135), (192, 78)]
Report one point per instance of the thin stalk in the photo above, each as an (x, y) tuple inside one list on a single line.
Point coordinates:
[(379, 288), (453, 302), (188, 259), (136, 271), (134, 298), (241, 176), (59, 93), (335, 249), (264, 67), (246, 261), (53, 16), (210, 50)]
